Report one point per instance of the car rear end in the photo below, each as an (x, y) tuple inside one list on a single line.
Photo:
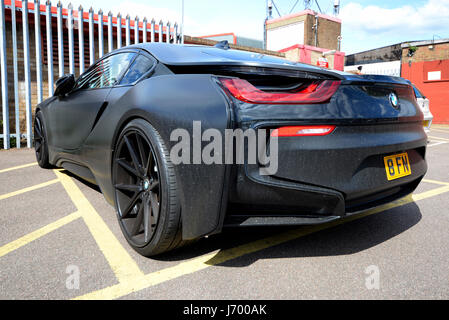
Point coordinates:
[(345, 143)]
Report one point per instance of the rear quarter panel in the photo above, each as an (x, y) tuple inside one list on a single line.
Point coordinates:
[(168, 102)]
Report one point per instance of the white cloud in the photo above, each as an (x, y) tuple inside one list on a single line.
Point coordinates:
[(425, 20)]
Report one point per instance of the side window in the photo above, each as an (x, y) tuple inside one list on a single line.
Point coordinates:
[(105, 72), (137, 70)]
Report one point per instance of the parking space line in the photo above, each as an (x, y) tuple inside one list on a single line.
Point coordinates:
[(437, 143), (16, 244), (430, 193), (217, 257), (121, 263), (438, 138), (18, 167), (27, 189), (436, 182), (440, 130)]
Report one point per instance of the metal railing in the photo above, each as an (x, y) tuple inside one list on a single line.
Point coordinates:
[(19, 19)]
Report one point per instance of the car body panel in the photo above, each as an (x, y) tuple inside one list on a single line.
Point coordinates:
[(368, 128), (81, 107)]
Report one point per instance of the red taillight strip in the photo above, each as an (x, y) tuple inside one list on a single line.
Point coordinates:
[(294, 131), (314, 93)]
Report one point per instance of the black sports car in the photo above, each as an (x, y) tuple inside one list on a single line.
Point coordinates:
[(345, 142)]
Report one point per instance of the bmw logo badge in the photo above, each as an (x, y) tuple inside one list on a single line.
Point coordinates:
[(393, 100)]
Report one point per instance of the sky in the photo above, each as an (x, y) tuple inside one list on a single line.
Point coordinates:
[(366, 24)]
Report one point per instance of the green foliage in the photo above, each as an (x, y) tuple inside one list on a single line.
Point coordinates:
[(12, 142), (412, 50)]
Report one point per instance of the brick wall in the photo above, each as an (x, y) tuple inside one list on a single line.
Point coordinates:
[(440, 51), (416, 70), (328, 30)]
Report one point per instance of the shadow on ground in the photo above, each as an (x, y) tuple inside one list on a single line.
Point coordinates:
[(344, 239)]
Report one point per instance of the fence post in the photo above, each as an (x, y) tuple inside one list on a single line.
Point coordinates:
[(136, 30), (144, 29), (81, 38), (110, 35), (37, 34), (127, 31), (49, 48), (91, 36), (4, 75), (167, 36), (26, 64), (119, 31), (182, 26), (161, 30), (71, 44), (100, 34), (175, 33), (60, 40), (153, 23), (16, 72)]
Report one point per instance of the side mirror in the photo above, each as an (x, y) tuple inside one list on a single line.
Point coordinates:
[(64, 84)]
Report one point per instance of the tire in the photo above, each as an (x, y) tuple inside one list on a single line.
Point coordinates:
[(146, 193), (40, 141)]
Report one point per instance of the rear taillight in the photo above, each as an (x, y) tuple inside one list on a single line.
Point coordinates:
[(293, 131), (315, 92)]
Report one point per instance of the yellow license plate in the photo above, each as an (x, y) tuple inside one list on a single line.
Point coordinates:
[(397, 166)]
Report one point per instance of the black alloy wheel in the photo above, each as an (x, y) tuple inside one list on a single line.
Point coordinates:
[(137, 187), (40, 141)]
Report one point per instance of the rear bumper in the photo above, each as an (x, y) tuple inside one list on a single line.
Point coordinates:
[(323, 178)]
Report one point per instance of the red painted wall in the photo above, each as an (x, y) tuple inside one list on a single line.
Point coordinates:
[(436, 91)]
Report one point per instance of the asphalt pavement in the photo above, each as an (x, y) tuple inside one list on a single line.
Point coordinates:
[(59, 239)]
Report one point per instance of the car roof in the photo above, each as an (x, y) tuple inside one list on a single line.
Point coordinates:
[(200, 55)]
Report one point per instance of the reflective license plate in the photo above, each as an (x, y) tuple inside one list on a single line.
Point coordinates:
[(397, 166)]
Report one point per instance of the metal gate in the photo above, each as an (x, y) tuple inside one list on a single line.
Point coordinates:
[(40, 42)]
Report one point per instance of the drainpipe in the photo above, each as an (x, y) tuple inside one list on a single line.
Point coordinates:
[(316, 30)]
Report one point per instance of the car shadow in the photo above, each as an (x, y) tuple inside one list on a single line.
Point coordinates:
[(347, 238), (85, 182)]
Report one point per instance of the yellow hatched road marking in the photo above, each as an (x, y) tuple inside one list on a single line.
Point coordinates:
[(217, 257), (27, 189), (18, 167), (124, 267), (16, 244)]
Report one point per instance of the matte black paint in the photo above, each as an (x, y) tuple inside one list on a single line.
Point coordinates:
[(319, 176)]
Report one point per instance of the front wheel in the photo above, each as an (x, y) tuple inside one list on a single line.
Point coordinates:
[(146, 195), (40, 141)]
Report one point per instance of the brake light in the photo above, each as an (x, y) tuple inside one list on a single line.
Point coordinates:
[(293, 131), (314, 93)]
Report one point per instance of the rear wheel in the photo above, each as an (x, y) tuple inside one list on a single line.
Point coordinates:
[(40, 141), (146, 197)]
